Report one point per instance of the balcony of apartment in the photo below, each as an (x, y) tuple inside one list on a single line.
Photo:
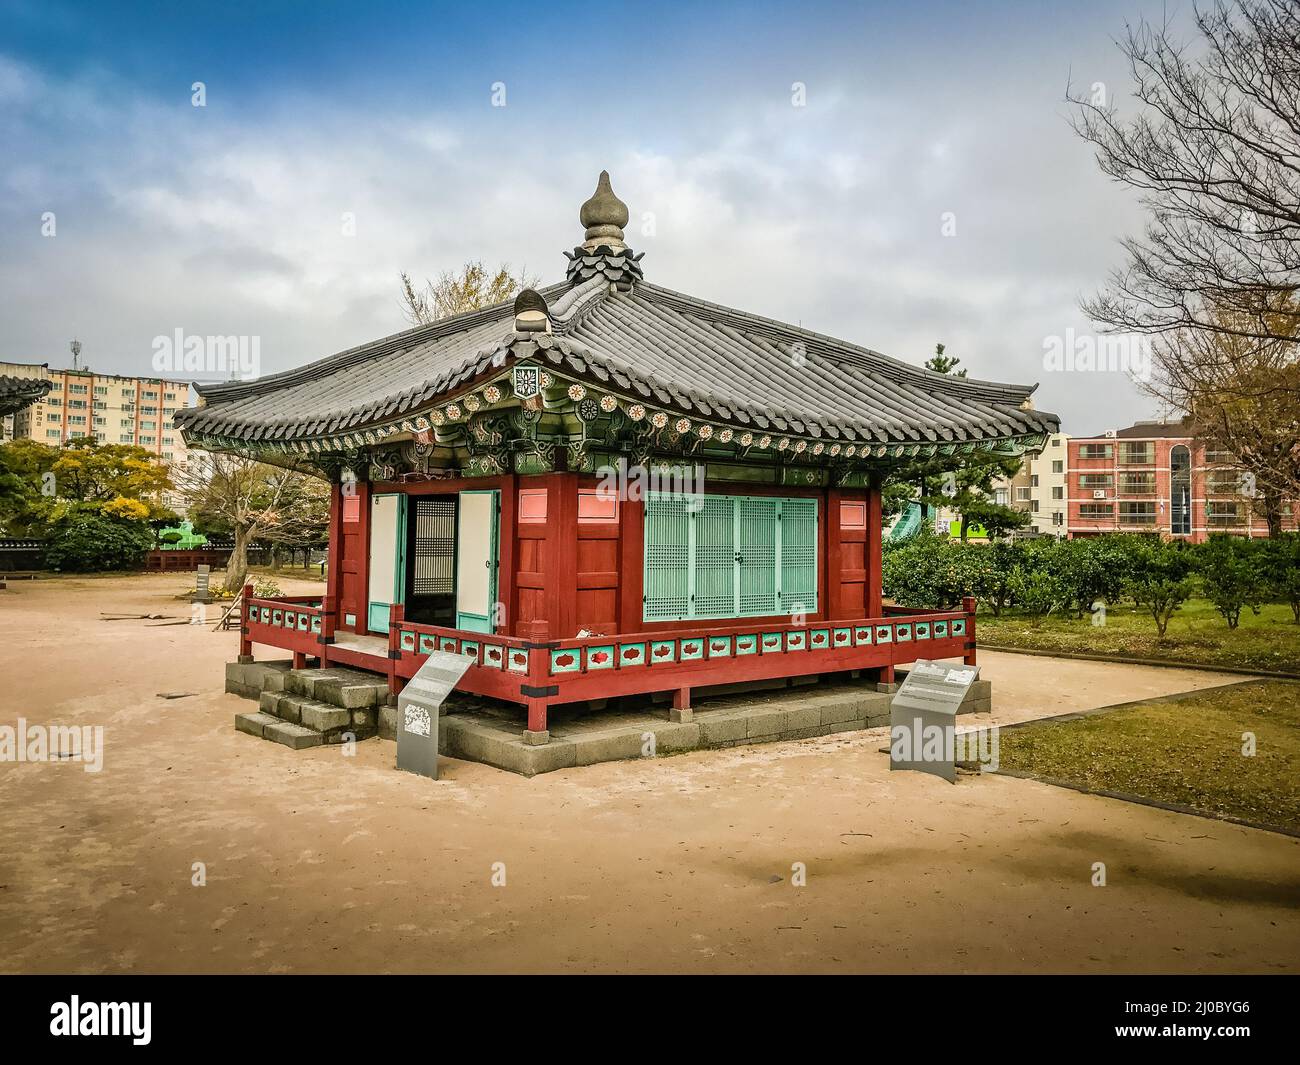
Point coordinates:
[(1141, 453), (1137, 485), (1137, 515), (1223, 516)]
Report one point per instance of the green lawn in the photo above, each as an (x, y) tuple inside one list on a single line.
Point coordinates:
[(1196, 634), (1186, 751)]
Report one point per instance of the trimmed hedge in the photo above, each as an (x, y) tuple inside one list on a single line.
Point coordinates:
[(1042, 576)]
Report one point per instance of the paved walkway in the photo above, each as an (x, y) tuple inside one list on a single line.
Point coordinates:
[(320, 862)]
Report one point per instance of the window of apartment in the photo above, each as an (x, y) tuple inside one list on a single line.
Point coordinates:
[(169, 397), (1056, 441), (100, 405), (128, 393), (148, 410), (1096, 510), (167, 456), (79, 389), (1137, 452), (101, 390), (1058, 492), (56, 433), (169, 439), (1022, 494), (1033, 506), (1223, 514), (1223, 482), (148, 425), (76, 433), (76, 419), (77, 404), (101, 437), (56, 417), (127, 423), (1180, 490), (1033, 480), (1000, 496), (57, 386), (55, 402), (1135, 513), (1058, 518), (1137, 484), (1058, 466), (1096, 451), (729, 556), (1218, 456), (1095, 480), (146, 440), (101, 421), (151, 395), (126, 438)]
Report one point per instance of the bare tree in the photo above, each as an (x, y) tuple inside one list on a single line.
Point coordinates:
[(1241, 393), (253, 500), (1215, 155), (470, 290)]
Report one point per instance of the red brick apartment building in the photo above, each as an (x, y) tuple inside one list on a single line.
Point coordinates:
[(1153, 476)]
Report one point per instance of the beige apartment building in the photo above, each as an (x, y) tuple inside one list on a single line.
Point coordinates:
[(1041, 487), (107, 407)]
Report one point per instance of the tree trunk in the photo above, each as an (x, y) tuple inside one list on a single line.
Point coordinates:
[(1272, 507), (237, 567)]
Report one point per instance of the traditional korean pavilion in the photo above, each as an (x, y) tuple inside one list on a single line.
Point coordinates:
[(607, 487)]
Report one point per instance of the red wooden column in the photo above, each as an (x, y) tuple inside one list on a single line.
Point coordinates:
[(968, 605), (396, 614), (562, 555), (873, 594), (833, 569), (539, 659), (245, 644), (508, 554), (333, 574), (631, 556)]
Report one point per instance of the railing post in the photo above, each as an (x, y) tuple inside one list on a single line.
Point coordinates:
[(968, 605), (535, 698), (245, 644), (396, 614), (328, 609)]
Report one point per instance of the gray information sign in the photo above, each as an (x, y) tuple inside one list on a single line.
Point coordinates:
[(923, 717), (202, 581), (417, 711)]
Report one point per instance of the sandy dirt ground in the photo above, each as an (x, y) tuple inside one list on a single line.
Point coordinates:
[(319, 862)]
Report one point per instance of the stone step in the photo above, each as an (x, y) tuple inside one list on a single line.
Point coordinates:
[(267, 727), (323, 717), (348, 689)]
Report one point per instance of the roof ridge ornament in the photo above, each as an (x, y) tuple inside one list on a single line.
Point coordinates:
[(532, 315), (604, 216), (604, 252)]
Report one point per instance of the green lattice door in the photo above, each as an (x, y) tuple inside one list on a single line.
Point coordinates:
[(729, 556)]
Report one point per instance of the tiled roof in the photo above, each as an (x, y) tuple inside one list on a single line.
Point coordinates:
[(650, 343), (19, 392)]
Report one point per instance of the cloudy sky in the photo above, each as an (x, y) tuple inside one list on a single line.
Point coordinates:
[(232, 218)]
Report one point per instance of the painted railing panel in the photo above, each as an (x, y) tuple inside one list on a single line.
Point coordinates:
[(541, 674)]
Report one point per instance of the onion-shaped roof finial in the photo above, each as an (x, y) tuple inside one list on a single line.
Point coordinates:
[(604, 215)]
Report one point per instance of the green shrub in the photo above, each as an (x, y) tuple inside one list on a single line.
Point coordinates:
[(928, 571), (1091, 568), (86, 542), (1161, 578), (1280, 564), (1232, 575)]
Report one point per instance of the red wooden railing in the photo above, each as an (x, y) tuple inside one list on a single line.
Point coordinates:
[(538, 674)]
